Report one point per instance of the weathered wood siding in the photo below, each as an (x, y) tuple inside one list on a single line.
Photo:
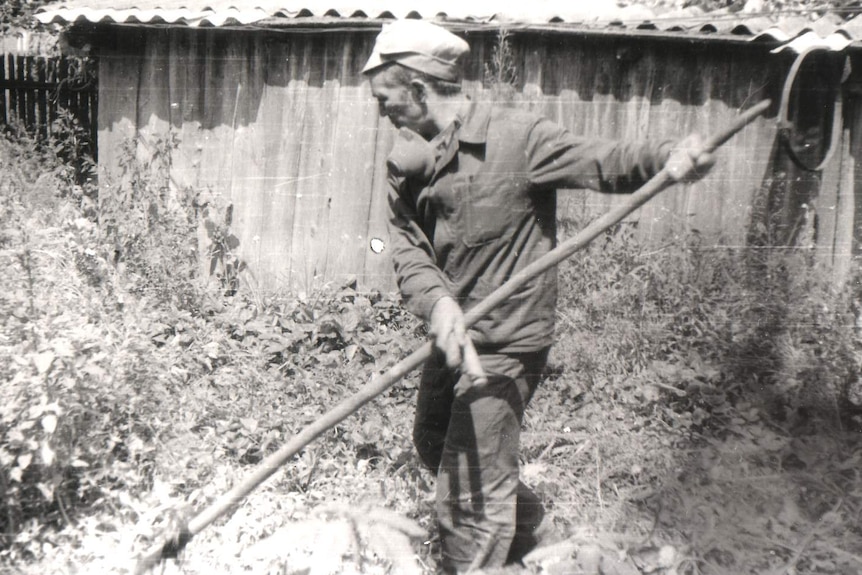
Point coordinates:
[(282, 125)]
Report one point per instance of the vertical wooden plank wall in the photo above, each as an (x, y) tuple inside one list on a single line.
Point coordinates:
[(244, 132), (23, 95), (4, 95), (309, 237), (377, 267), (351, 185), (284, 106), (12, 108), (222, 90), (119, 85), (633, 90), (281, 126), (844, 237), (42, 119), (153, 103)]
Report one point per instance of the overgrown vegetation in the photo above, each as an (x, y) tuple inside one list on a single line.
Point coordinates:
[(17, 14), (124, 364), (698, 419), (719, 389), (701, 415)]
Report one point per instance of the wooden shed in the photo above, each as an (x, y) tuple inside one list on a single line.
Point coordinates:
[(273, 117)]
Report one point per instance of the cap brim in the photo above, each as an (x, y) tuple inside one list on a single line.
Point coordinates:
[(374, 61)]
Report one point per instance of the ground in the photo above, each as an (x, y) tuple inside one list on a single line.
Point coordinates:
[(620, 490)]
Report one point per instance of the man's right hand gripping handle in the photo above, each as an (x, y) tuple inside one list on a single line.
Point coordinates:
[(450, 337)]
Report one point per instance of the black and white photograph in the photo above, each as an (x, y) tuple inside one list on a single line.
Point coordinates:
[(555, 287)]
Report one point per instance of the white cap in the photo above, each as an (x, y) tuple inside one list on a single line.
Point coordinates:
[(421, 46)]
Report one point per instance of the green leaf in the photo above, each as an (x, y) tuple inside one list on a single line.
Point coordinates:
[(47, 491), (24, 460), (212, 350), (46, 453), (26, 425), (49, 423), (43, 361)]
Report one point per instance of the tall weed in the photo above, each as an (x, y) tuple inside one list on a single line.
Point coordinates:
[(152, 224), (695, 327)]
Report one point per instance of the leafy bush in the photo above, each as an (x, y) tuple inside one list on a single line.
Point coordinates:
[(70, 143)]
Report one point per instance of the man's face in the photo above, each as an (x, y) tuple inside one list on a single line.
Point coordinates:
[(398, 101)]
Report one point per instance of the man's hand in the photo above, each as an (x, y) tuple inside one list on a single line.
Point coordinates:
[(687, 161), (450, 336)]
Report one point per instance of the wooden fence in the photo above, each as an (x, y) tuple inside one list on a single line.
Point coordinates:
[(33, 90)]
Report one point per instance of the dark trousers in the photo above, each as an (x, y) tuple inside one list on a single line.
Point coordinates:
[(469, 436)]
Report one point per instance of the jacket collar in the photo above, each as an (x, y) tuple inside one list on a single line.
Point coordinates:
[(474, 120), (470, 127)]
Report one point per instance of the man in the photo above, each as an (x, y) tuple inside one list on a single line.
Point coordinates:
[(472, 201)]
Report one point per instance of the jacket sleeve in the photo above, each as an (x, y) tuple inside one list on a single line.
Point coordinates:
[(420, 281), (558, 159)]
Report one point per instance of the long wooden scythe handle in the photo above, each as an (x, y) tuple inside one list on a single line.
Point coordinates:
[(386, 380)]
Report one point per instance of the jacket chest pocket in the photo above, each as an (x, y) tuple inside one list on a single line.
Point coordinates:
[(488, 210)]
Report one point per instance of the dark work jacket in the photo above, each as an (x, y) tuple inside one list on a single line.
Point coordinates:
[(489, 210)]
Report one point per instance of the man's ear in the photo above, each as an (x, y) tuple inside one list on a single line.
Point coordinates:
[(420, 90)]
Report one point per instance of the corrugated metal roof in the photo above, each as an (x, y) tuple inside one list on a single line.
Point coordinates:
[(581, 15)]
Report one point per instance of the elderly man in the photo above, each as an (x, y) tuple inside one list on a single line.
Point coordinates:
[(472, 199)]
